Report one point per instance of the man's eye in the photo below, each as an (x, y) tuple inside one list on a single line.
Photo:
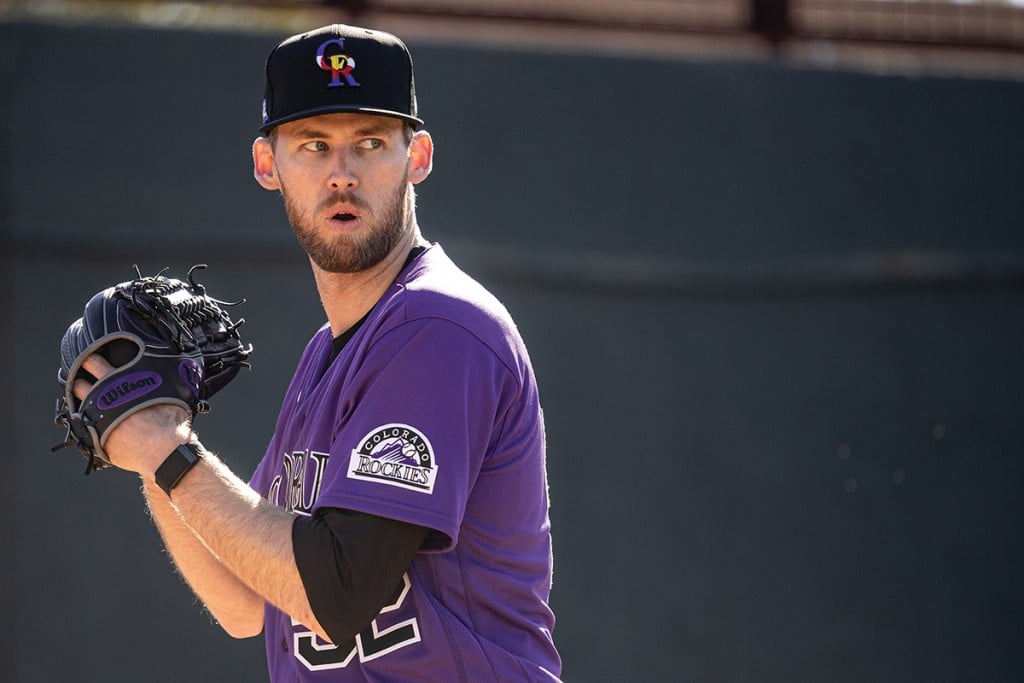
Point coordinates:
[(315, 146), (371, 143)]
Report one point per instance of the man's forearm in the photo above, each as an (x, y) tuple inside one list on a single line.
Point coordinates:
[(236, 607), (249, 536)]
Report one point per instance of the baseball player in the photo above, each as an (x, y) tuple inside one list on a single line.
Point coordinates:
[(397, 527)]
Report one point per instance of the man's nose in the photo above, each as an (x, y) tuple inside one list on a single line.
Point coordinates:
[(343, 174)]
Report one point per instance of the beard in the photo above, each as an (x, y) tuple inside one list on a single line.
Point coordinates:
[(351, 253)]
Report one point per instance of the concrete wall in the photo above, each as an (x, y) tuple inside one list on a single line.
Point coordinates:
[(775, 313)]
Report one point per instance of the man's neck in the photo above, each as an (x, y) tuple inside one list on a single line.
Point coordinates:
[(346, 297)]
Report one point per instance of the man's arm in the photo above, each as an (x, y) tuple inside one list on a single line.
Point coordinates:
[(237, 609), (348, 563), (249, 537), (237, 550)]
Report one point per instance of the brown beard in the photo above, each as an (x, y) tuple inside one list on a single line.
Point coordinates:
[(350, 253)]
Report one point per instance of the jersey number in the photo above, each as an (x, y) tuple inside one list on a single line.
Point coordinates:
[(369, 644)]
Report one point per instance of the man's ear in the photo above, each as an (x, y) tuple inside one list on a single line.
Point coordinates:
[(263, 168), (421, 156)]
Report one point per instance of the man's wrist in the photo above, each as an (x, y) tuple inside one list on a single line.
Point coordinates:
[(176, 465)]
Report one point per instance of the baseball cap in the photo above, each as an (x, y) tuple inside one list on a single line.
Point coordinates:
[(339, 68)]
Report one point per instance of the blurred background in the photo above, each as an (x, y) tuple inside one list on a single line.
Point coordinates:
[(767, 255)]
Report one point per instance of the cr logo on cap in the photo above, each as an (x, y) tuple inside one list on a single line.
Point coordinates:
[(339, 64)]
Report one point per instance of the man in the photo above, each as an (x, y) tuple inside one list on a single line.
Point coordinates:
[(397, 527)]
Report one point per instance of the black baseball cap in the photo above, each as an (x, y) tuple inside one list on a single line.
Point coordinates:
[(339, 68)]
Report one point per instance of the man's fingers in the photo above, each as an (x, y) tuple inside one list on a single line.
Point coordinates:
[(97, 366), (81, 389)]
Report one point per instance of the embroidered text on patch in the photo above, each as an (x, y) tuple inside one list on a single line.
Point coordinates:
[(397, 455)]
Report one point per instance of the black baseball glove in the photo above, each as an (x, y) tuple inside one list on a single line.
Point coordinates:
[(168, 341)]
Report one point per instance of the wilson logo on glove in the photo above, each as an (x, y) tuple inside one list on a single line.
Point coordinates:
[(133, 388)]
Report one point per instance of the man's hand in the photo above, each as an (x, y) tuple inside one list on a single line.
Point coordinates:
[(145, 438)]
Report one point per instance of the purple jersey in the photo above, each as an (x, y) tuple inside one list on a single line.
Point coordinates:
[(430, 415)]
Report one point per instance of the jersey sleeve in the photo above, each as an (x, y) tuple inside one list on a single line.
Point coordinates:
[(427, 405)]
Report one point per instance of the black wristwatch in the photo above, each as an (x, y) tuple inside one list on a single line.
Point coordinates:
[(181, 460)]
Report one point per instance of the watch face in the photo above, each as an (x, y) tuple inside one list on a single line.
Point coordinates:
[(176, 465), (189, 451)]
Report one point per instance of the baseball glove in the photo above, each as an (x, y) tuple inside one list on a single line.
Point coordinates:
[(168, 341)]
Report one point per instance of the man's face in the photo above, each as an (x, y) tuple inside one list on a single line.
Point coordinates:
[(345, 183)]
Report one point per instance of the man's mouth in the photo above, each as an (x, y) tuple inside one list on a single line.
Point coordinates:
[(345, 216)]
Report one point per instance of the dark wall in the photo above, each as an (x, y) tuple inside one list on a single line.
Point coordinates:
[(775, 313)]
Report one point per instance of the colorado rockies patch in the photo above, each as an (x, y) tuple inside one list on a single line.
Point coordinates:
[(396, 455)]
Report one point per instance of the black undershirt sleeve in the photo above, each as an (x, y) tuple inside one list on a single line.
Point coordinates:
[(351, 563)]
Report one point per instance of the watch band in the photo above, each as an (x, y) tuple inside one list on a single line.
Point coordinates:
[(181, 460)]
